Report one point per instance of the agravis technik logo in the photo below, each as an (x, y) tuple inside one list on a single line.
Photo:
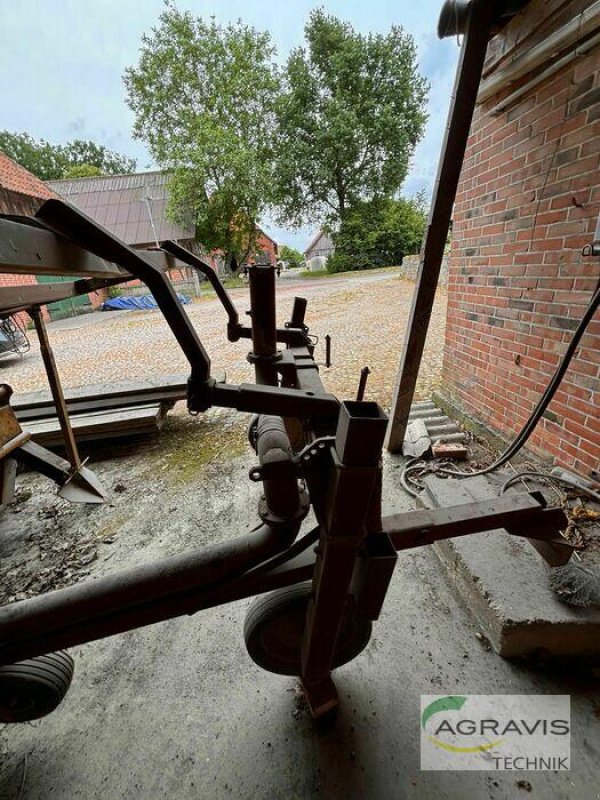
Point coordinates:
[(495, 732)]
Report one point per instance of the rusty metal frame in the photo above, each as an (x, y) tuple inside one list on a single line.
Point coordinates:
[(340, 464)]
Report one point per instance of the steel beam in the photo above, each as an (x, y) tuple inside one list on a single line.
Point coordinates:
[(30, 250), (353, 483), (84, 232)]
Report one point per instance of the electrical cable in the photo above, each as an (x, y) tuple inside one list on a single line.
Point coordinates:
[(556, 478), (542, 404)]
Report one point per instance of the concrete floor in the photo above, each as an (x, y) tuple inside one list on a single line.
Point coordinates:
[(179, 710)]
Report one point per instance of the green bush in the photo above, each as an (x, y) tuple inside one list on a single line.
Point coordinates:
[(378, 233), (291, 256), (342, 262)]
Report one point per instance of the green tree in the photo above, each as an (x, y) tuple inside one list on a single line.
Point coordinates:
[(55, 161), (82, 171), (291, 256), (379, 233), (84, 153), (350, 115), (203, 96)]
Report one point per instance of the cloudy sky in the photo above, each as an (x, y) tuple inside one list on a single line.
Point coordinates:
[(62, 62)]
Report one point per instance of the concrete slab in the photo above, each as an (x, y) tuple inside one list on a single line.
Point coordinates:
[(504, 583)]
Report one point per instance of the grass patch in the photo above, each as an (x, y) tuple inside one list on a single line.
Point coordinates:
[(322, 273), (188, 446), (318, 273)]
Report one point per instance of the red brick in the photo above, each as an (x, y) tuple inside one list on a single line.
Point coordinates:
[(543, 165)]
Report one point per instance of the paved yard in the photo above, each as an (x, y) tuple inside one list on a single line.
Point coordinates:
[(366, 316)]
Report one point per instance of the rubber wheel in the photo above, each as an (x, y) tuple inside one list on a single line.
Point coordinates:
[(274, 628), (33, 688)]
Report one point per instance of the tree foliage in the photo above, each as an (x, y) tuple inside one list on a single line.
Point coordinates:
[(203, 96), (82, 171), (55, 161), (293, 258), (350, 116), (379, 233)]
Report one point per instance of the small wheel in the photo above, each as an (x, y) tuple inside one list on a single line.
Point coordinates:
[(274, 628), (33, 688)]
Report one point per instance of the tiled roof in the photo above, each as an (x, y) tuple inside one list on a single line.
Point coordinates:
[(131, 207), (16, 178)]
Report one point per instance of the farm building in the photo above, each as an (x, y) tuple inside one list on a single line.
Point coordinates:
[(320, 245), (22, 193), (133, 207)]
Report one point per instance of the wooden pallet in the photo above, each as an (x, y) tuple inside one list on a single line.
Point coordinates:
[(100, 424)]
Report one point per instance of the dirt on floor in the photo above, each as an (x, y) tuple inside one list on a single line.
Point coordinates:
[(179, 710), (48, 543)]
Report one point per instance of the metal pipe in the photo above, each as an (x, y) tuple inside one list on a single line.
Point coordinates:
[(131, 598), (77, 227), (298, 313), (264, 333), (275, 400), (177, 251), (353, 484), (362, 384), (275, 455), (56, 388)]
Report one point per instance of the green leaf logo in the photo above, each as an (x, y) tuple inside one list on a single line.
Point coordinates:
[(452, 703)]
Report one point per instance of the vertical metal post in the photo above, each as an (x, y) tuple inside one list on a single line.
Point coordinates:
[(264, 333), (56, 388), (298, 313), (481, 16), (354, 484)]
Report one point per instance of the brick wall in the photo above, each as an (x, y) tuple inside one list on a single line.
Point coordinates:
[(527, 204)]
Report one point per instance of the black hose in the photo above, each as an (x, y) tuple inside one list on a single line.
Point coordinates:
[(552, 478), (543, 403)]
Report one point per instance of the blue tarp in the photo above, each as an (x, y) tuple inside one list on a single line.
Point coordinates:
[(129, 302)]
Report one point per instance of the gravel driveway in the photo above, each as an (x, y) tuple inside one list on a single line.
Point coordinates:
[(365, 315)]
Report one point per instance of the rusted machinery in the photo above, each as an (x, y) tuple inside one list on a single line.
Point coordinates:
[(325, 588), (330, 583)]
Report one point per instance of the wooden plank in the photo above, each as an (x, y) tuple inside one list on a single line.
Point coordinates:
[(178, 382), (168, 390), (100, 424)]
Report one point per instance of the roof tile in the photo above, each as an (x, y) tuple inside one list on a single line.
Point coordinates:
[(16, 178)]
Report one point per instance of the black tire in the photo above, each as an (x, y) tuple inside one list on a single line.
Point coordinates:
[(274, 627), (33, 688)]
